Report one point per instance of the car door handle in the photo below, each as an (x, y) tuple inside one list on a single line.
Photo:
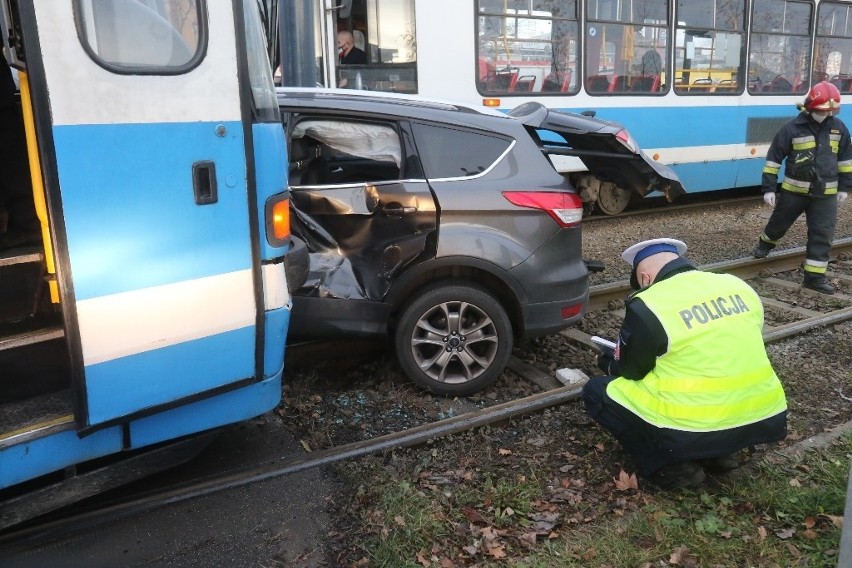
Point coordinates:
[(398, 210)]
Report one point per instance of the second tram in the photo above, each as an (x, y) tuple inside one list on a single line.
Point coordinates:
[(702, 85)]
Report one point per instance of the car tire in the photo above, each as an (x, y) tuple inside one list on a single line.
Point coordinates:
[(453, 339)]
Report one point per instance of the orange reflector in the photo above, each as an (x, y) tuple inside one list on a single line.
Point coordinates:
[(491, 102), (571, 311), (281, 219), (656, 157)]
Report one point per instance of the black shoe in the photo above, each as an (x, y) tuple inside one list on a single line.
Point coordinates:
[(720, 464), (677, 475), (761, 250), (819, 284)]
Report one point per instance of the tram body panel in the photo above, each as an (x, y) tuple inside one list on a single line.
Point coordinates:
[(172, 294), (171, 302)]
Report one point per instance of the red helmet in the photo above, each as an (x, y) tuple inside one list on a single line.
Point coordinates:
[(823, 97)]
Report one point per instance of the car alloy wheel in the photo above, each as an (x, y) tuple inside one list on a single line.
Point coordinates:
[(454, 339)]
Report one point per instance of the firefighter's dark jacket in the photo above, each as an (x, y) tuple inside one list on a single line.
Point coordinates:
[(818, 157)]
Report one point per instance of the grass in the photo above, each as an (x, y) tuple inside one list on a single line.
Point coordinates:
[(784, 512)]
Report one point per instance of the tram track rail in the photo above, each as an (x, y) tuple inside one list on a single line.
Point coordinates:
[(676, 207), (602, 297)]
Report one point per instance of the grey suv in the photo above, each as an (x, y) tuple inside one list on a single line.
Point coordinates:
[(441, 226)]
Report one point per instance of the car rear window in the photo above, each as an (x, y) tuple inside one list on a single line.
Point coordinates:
[(452, 153)]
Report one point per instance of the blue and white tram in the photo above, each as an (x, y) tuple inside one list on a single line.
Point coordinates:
[(702, 85), (152, 304)]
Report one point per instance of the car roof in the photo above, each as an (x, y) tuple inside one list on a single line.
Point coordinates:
[(405, 105)]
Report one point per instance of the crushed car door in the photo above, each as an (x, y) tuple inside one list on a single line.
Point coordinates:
[(360, 202)]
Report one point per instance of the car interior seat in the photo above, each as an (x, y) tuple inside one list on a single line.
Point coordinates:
[(305, 162)]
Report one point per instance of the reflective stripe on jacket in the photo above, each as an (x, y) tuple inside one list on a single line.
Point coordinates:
[(715, 374), (818, 157)]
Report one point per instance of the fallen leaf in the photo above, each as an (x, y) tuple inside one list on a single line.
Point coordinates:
[(809, 534), (590, 553), (626, 481), (762, 532), (447, 563), (527, 539), (470, 549), (422, 560), (504, 452), (497, 550), (809, 522), (835, 520), (599, 446), (305, 445), (785, 533), (399, 520), (678, 556), (795, 482), (472, 515)]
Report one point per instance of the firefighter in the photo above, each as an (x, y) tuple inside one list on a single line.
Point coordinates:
[(689, 383), (818, 174)]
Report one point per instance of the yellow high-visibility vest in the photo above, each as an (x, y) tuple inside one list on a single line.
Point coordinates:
[(715, 374)]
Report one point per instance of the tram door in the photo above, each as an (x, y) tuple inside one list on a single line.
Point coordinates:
[(150, 198)]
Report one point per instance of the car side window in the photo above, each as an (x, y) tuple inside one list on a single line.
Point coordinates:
[(454, 153), (326, 151)]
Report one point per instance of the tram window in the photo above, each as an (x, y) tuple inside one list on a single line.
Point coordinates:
[(779, 54), (833, 46), (385, 31), (147, 36), (627, 47), (441, 158), (709, 47), (527, 47)]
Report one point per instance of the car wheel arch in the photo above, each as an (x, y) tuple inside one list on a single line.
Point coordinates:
[(460, 270)]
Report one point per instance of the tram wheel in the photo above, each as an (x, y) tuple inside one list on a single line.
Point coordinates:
[(612, 200), (454, 339)]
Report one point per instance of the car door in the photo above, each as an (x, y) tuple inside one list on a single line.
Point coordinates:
[(157, 265), (360, 201)]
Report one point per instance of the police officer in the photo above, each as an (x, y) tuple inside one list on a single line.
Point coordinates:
[(689, 383), (818, 174)]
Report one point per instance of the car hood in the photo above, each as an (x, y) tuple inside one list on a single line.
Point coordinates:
[(606, 148)]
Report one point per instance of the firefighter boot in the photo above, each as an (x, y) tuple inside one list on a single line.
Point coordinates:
[(819, 283), (762, 249)]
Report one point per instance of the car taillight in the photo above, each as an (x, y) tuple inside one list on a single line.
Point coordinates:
[(627, 141), (565, 208)]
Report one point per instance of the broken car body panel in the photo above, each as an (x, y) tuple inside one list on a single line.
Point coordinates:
[(596, 142)]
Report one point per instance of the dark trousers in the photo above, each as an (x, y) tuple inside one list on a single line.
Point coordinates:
[(16, 193), (820, 214), (634, 434)]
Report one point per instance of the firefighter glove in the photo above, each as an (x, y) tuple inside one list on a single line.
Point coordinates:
[(841, 196), (769, 198)]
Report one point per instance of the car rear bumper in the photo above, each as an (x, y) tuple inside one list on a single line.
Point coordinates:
[(556, 282)]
